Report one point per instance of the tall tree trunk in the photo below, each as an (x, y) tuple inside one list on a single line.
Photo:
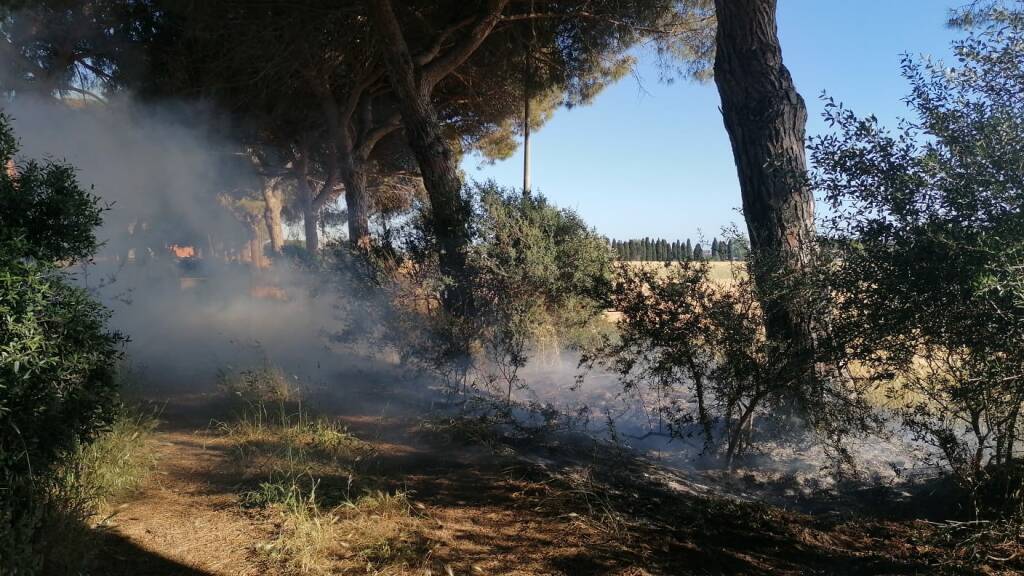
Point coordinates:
[(527, 186), (310, 219), (353, 176), (438, 165), (306, 203), (766, 119), (272, 215), (255, 243)]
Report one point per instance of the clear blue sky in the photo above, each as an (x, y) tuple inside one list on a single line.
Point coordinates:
[(650, 159)]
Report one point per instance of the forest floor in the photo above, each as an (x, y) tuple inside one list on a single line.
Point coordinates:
[(478, 506)]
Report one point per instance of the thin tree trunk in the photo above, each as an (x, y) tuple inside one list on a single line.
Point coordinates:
[(255, 247), (527, 185), (272, 216), (353, 176), (766, 118), (309, 211), (436, 159), (310, 221)]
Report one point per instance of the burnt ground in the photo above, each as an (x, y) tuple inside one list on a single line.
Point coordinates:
[(494, 507)]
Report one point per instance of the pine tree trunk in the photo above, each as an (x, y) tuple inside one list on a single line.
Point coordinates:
[(766, 120), (272, 216), (437, 162), (310, 214), (353, 176), (309, 218), (255, 244)]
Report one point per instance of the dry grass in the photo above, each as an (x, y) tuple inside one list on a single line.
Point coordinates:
[(725, 272), (307, 470), (87, 486), (377, 533), (119, 461), (325, 528)]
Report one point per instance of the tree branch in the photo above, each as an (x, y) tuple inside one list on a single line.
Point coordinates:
[(444, 64), (372, 137), (430, 53)]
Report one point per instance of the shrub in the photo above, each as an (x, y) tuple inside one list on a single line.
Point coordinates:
[(699, 345), (926, 237), (57, 360), (538, 278)]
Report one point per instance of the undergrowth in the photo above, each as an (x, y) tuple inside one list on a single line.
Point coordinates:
[(86, 486), (311, 472)]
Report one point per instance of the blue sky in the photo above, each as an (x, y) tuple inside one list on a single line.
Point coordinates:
[(650, 159)]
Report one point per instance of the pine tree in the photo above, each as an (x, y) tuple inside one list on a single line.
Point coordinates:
[(714, 249), (689, 250), (698, 252)]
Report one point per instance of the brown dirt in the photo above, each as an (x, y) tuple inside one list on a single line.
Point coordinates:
[(187, 515), (485, 513)]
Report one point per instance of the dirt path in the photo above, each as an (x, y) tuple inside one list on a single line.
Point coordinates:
[(486, 512), (187, 519)]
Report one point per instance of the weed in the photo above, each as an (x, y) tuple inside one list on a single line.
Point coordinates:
[(87, 483), (119, 461), (305, 468)]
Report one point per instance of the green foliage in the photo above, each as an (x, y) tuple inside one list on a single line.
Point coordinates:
[(701, 347), (46, 214), (927, 248), (539, 280), (57, 360), (539, 277), (49, 531)]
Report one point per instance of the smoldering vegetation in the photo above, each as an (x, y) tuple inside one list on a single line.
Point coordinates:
[(206, 309), (878, 371), (174, 267)]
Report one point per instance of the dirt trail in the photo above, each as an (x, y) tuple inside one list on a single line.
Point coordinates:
[(488, 513), (186, 520)]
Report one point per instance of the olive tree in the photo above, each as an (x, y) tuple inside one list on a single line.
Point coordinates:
[(926, 234)]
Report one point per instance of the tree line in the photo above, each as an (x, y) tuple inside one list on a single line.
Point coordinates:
[(661, 250)]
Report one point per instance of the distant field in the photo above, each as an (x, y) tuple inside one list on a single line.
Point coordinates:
[(720, 271), (724, 273)]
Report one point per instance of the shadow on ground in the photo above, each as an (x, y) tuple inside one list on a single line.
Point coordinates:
[(122, 557)]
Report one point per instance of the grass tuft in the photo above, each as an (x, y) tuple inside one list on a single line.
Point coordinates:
[(307, 470), (120, 460), (86, 485)]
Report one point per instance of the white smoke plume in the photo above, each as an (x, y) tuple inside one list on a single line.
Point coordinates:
[(161, 170)]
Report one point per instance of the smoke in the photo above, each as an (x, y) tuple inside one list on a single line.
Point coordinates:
[(164, 172), (783, 470)]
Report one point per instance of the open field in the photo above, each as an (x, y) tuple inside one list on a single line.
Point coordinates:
[(720, 271)]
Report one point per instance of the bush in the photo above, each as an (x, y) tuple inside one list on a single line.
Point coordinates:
[(538, 279), (926, 238), (57, 360), (700, 345)]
